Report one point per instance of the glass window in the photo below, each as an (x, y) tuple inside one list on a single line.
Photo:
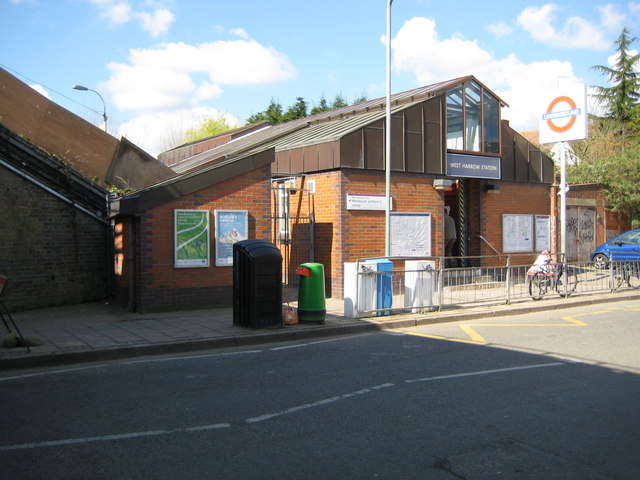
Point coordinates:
[(473, 112), (283, 209), (491, 124), (455, 119), (473, 119)]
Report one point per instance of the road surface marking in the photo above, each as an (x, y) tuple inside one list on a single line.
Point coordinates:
[(107, 438), (485, 372), (261, 418), (319, 403)]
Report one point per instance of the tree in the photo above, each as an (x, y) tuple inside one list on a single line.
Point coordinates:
[(611, 153), (339, 101), (322, 106), (621, 97), (209, 127), (273, 114), (297, 110)]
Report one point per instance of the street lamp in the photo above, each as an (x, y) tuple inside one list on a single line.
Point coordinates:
[(104, 107), (387, 216)]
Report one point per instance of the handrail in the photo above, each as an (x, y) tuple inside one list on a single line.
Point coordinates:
[(487, 242)]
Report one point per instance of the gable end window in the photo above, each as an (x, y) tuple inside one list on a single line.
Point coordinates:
[(473, 119)]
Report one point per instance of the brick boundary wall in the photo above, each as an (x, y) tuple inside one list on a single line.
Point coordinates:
[(53, 253)]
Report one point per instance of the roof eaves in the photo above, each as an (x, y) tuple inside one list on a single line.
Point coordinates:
[(190, 182)]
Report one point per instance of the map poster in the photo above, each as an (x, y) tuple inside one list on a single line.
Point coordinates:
[(191, 238), (231, 227), (517, 233), (410, 234)]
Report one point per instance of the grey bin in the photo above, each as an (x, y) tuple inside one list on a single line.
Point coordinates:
[(257, 284)]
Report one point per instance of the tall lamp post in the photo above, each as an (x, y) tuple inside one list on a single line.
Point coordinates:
[(104, 107), (387, 217)]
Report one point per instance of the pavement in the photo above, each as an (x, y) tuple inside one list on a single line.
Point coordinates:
[(92, 332)]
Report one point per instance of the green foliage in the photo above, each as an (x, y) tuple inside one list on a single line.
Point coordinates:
[(621, 97), (207, 128), (611, 153), (120, 192), (297, 110), (274, 113), (322, 106), (612, 158)]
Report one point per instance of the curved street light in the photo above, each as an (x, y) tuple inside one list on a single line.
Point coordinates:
[(104, 107)]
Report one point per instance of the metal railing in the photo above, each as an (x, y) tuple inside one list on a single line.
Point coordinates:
[(386, 286)]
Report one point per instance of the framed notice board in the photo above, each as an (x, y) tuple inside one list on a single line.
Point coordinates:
[(517, 233)]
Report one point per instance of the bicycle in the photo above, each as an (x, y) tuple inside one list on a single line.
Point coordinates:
[(546, 275), (626, 273)]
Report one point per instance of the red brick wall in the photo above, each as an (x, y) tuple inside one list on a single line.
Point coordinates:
[(344, 236), (161, 286), (512, 199)]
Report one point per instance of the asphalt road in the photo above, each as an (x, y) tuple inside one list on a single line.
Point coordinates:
[(539, 396)]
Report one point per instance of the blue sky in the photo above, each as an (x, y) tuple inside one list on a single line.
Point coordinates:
[(162, 65)]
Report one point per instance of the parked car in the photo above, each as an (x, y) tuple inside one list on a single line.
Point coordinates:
[(623, 248)]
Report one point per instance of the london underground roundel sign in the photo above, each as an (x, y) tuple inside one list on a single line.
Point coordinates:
[(565, 116)]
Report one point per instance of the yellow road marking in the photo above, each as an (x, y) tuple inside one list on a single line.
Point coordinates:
[(476, 338)]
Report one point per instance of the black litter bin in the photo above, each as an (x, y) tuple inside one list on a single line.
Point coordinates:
[(257, 284)]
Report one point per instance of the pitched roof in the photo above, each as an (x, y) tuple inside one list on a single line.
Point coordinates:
[(321, 127)]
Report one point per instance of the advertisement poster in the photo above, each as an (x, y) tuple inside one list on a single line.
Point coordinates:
[(231, 227), (543, 229), (517, 233), (410, 234), (191, 238)]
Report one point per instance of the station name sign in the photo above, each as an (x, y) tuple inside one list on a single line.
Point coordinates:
[(473, 166)]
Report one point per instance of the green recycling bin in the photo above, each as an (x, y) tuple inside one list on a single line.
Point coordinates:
[(312, 307)]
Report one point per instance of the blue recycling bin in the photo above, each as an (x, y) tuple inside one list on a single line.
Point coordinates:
[(384, 290)]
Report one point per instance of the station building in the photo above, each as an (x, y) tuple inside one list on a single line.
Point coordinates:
[(315, 187)]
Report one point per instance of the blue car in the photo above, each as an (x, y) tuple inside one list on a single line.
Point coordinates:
[(624, 247)]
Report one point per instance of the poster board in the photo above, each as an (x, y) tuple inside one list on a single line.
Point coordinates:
[(231, 227), (410, 234), (543, 232), (191, 238), (517, 233)]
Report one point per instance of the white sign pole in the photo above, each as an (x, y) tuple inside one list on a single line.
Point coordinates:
[(563, 198), (564, 118)]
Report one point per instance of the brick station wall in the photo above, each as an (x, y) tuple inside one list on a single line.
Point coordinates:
[(159, 285)]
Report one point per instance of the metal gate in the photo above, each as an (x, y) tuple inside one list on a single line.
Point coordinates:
[(293, 235), (581, 232)]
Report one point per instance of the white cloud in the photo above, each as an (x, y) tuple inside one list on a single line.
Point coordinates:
[(611, 18), (240, 32), (160, 131), (156, 23), (41, 90), (575, 33), (419, 52), (116, 12), (171, 76), (499, 30)]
